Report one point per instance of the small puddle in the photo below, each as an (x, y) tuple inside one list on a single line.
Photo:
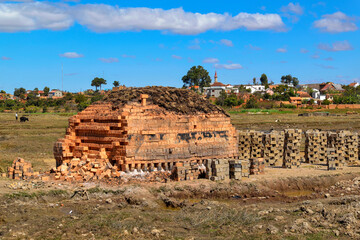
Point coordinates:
[(298, 193)]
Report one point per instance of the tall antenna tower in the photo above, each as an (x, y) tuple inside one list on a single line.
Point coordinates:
[(62, 77)]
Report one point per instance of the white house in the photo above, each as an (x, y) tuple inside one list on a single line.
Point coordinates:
[(55, 93), (255, 88), (217, 87)]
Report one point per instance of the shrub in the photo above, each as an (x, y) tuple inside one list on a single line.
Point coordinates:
[(32, 109), (288, 106), (326, 102), (251, 103)]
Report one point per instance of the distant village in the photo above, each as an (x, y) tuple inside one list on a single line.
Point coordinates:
[(257, 95)]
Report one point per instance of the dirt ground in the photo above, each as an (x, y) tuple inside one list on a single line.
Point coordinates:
[(305, 203)]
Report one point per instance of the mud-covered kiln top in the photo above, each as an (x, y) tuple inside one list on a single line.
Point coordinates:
[(181, 101)]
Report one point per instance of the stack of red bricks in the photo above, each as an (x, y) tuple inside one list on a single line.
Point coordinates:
[(21, 169), (257, 166)]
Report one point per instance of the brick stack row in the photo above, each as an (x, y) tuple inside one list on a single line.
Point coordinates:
[(257, 166), (21, 169), (350, 147), (220, 169), (335, 143), (185, 171), (315, 147), (292, 145), (274, 148), (332, 164), (244, 144), (257, 144), (235, 169), (245, 168)]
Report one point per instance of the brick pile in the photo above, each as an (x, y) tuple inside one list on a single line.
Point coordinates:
[(292, 145), (186, 171), (21, 170), (220, 169), (235, 169), (331, 159), (245, 168), (84, 170), (257, 144), (335, 143), (315, 147), (257, 166), (244, 144), (147, 128), (350, 147), (274, 148)]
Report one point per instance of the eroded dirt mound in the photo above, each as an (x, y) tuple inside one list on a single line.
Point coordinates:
[(177, 100)]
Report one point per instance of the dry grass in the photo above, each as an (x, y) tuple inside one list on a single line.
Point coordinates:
[(278, 121), (31, 140)]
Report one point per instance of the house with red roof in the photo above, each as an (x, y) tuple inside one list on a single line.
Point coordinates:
[(217, 87)]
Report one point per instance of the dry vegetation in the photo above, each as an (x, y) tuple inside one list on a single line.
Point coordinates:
[(283, 204)]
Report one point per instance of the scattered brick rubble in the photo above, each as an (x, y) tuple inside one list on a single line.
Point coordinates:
[(21, 170)]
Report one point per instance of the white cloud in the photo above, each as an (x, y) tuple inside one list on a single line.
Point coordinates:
[(226, 42), (281, 50), (106, 18), (329, 59), (176, 57), (194, 47), (336, 46), (315, 56), (263, 8), (304, 50), (128, 56), (5, 58), (230, 66), (336, 23), (293, 8), (210, 60), (252, 47), (20, 17), (71, 55), (109, 60), (325, 66), (28, 16)]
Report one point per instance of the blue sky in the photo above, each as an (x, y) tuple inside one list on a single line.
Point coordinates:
[(142, 43)]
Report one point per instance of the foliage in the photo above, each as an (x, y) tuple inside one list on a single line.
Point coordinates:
[(46, 91), (288, 79), (242, 89), (97, 82), (230, 100), (80, 98), (96, 97), (197, 76), (251, 103), (264, 80), (116, 83), (20, 92), (32, 109), (326, 102), (68, 96), (288, 106), (81, 106)]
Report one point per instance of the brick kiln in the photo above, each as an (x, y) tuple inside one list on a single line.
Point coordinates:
[(147, 128)]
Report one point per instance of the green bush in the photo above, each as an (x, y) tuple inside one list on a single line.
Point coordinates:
[(32, 109), (288, 106), (326, 102), (251, 103)]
